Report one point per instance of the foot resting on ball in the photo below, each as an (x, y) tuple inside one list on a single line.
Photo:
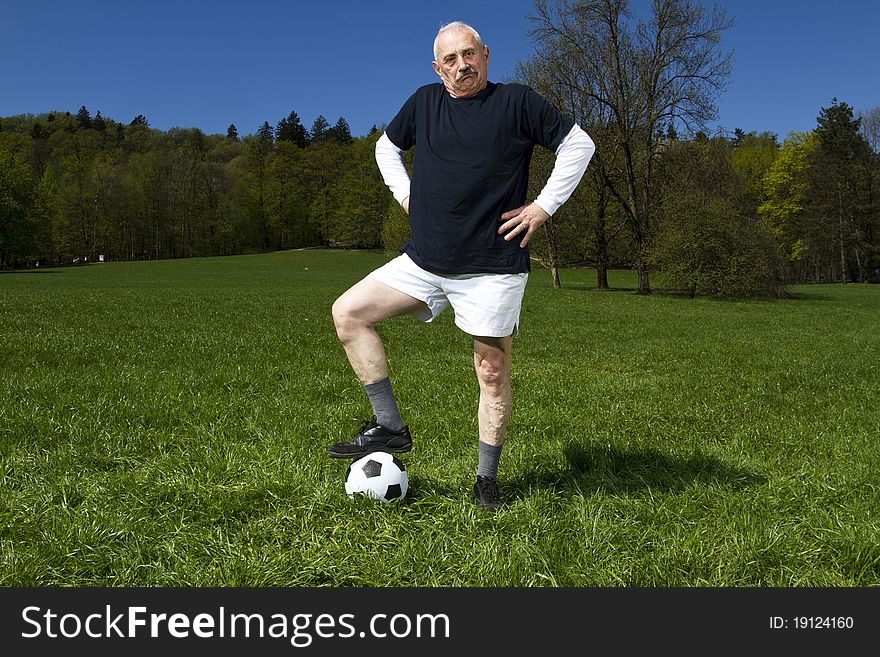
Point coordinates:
[(372, 437)]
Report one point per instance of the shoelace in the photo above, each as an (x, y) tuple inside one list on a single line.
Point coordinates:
[(368, 424)]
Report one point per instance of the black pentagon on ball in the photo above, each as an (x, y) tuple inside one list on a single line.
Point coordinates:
[(372, 468), (393, 492)]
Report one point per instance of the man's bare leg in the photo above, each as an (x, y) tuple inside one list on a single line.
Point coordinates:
[(355, 315), (492, 364)]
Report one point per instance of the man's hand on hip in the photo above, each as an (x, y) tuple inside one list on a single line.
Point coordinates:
[(525, 219)]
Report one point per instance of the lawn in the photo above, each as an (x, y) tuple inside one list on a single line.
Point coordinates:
[(166, 424)]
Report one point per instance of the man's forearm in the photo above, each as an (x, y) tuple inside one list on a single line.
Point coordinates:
[(390, 160), (572, 158)]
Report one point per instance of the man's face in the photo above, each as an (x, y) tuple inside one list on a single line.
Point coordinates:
[(461, 63)]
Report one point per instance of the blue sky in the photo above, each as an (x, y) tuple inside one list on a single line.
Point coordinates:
[(209, 64)]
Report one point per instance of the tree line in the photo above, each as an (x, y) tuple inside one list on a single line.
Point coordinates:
[(77, 187), (736, 214)]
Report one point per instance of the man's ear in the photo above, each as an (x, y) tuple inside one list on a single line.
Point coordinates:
[(437, 69)]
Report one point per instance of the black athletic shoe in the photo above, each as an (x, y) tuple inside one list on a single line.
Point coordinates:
[(485, 494), (372, 437)]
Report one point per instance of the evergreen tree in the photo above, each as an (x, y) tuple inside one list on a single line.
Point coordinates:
[(320, 130), (99, 123), (140, 119), (840, 175), (838, 131), (340, 132), (291, 129), (266, 137), (83, 118), (232, 132)]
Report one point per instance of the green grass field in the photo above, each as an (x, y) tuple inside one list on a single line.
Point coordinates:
[(166, 423)]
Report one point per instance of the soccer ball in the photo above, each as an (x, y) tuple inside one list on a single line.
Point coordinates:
[(380, 475)]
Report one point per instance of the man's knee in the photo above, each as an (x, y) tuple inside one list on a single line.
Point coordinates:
[(345, 317), (493, 368)]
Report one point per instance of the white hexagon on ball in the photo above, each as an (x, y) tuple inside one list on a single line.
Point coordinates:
[(379, 475)]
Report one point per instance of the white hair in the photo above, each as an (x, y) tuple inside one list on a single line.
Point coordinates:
[(456, 25)]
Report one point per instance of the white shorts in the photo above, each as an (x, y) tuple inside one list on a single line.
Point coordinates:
[(485, 305)]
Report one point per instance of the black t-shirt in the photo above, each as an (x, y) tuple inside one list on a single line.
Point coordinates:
[(471, 165)]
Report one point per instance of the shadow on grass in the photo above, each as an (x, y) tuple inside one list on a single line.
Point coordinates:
[(593, 468), (426, 489)]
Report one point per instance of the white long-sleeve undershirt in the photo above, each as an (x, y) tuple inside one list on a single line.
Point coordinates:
[(572, 157), (390, 160)]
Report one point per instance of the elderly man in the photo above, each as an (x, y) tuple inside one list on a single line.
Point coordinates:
[(471, 226)]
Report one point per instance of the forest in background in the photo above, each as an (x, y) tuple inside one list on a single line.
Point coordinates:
[(732, 214)]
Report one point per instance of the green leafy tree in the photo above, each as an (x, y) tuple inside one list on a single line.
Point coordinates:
[(786, 195), (753, 155), (289, 196), (710, 240), (395, 230), (820, 199), (41, 150), (254, 188), (76, 192), (21, 207), (356, 200)]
